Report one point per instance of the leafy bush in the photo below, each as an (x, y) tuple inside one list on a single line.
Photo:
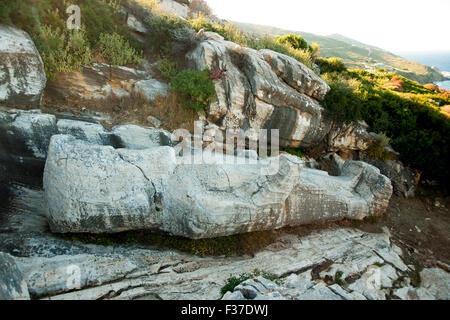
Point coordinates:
[(233, 282), (331, 65), (377, 149), (168, 68), (116, 50), (197, 89), (63, 51), (343, 104), (419, 132), (293, 40)]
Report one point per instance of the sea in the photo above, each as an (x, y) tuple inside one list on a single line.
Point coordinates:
[(440, 60)]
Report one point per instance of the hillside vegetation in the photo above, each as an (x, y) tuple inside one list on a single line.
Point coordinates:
[(104, 35), (355, 54), (410, 115)]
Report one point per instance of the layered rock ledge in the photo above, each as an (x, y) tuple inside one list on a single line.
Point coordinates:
[(370, 267)]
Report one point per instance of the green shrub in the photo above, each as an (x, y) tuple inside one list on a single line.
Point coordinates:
[(63, 51), (294, 151), (233, 282), (117, 51), (343, 104), (293, 40), (168, 68), (331, 65), (377, 149), (197, 90)]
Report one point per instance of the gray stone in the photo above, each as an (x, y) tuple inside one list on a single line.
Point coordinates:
[(125, 272), (66, 273), (12, 283), (252, 92), (236, 295), (139, 138), (155, 122), (86, 131), (92, 188), (359, 191), (410, 293), (402, 177), (26, 133), (296, 74), (151, 88), (24, 139), (22, 74), (135, 24), (437, 282), (173, 8)]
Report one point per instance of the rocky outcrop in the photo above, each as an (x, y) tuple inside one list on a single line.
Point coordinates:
[(174, 8), (402, 178), (348, 139), (330, 264), (25, 137), (12, 282), (263, 90), (22, 75), (100, 81), (97, 189)]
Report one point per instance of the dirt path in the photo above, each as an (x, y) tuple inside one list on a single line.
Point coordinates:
[(420, 226)]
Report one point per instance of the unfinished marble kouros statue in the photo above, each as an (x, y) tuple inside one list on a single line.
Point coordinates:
[(96, 188)]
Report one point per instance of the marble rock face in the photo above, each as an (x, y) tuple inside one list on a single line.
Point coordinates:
[(22, 74), (101, 189)]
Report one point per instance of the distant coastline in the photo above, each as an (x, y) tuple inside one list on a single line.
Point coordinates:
[(440, 60)]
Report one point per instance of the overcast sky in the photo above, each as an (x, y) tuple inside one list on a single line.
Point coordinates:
[(394, 25)]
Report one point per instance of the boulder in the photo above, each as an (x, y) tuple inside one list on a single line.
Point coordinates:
[(151, 88), (135, 24), (99, 189), (263, 90), (106, 193), (174, 8), (360, 191), (82, 130), (437, 282), (24, 139), (12, 283), (22, 74), (403, 179), (135, 137)]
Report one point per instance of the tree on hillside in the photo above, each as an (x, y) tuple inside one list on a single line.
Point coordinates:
[(197, 7)]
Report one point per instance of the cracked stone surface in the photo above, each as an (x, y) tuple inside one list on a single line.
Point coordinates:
[(98, 189), (133, 273)]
